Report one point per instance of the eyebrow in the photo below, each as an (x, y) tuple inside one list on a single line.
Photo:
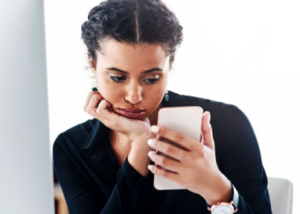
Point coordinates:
[(125, 72)]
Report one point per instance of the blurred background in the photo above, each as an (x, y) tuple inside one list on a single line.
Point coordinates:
[(244, 53)]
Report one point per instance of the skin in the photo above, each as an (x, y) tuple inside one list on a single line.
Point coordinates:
[(195, 167)]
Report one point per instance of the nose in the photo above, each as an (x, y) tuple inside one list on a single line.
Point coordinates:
[(134, 94)]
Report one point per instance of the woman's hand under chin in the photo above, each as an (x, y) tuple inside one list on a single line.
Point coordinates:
[(101, 109), (137, 131)]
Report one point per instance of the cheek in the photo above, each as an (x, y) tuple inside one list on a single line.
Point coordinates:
[(107, 90), (155, 95), (158, 91)]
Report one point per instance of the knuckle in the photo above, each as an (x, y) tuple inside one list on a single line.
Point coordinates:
[(180, 154), (164, 161), (88, 110), (168, 149), (98, 111), (193, 157), (189, 157), (178, 137), (161, 130), (94, 97), (164, 174)]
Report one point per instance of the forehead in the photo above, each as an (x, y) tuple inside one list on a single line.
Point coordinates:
[(131, 57)]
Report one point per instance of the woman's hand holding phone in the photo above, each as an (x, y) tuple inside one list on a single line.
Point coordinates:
[(194, 165)]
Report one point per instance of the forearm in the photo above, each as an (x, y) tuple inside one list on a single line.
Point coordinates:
[(130, 192), (220, 191)]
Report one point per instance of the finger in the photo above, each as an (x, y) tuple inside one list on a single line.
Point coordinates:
[(103, 110), (164, 161), (93, 105), (91, 93), (109, 118), (109, 106), (168, 149), (182, 141), (207, 131), (103, 105), (201, 138), (94, 102), (173, 176)]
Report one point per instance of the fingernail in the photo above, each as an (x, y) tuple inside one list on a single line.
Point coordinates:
[(151, 142), (154, 129), (150, 167), (150, 154)]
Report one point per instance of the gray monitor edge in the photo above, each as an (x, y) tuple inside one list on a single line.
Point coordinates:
[(26, 174)]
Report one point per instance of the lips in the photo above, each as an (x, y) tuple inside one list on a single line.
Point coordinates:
[(131, 112)]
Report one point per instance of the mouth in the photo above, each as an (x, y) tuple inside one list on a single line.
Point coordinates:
[(131, 112)]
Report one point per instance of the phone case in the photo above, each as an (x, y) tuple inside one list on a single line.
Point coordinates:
[(186, 120)]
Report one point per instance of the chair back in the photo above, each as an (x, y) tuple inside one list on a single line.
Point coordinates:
[(281, 195)]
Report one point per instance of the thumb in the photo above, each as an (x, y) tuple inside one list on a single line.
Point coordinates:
[(207, 131)]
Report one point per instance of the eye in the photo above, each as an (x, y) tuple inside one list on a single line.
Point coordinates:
[(151, 80), (116, 78)]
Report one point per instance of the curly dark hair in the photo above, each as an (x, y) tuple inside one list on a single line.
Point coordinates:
[(133, 22)]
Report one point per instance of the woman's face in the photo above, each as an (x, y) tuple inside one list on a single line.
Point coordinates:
[(132, 78)]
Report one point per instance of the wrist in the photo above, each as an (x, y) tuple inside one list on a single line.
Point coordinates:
[(138, 155), (139, 134), (226, 207), (221, 192)]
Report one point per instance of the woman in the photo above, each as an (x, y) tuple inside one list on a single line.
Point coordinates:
[(105, 165)]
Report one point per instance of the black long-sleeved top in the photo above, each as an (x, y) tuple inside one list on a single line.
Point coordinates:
[(93, 182)]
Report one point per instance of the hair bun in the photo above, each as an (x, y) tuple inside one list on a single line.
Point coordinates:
[(94, 11)]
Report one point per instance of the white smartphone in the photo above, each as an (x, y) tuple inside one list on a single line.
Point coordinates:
[(186, 120)]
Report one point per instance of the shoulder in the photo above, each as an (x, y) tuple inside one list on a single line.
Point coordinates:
[(75, 135), (223, 115), (214, 107)]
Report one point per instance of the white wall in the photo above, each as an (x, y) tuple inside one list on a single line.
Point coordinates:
[(244, 53)]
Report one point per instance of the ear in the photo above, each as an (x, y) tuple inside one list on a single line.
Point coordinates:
[(92, 63)]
